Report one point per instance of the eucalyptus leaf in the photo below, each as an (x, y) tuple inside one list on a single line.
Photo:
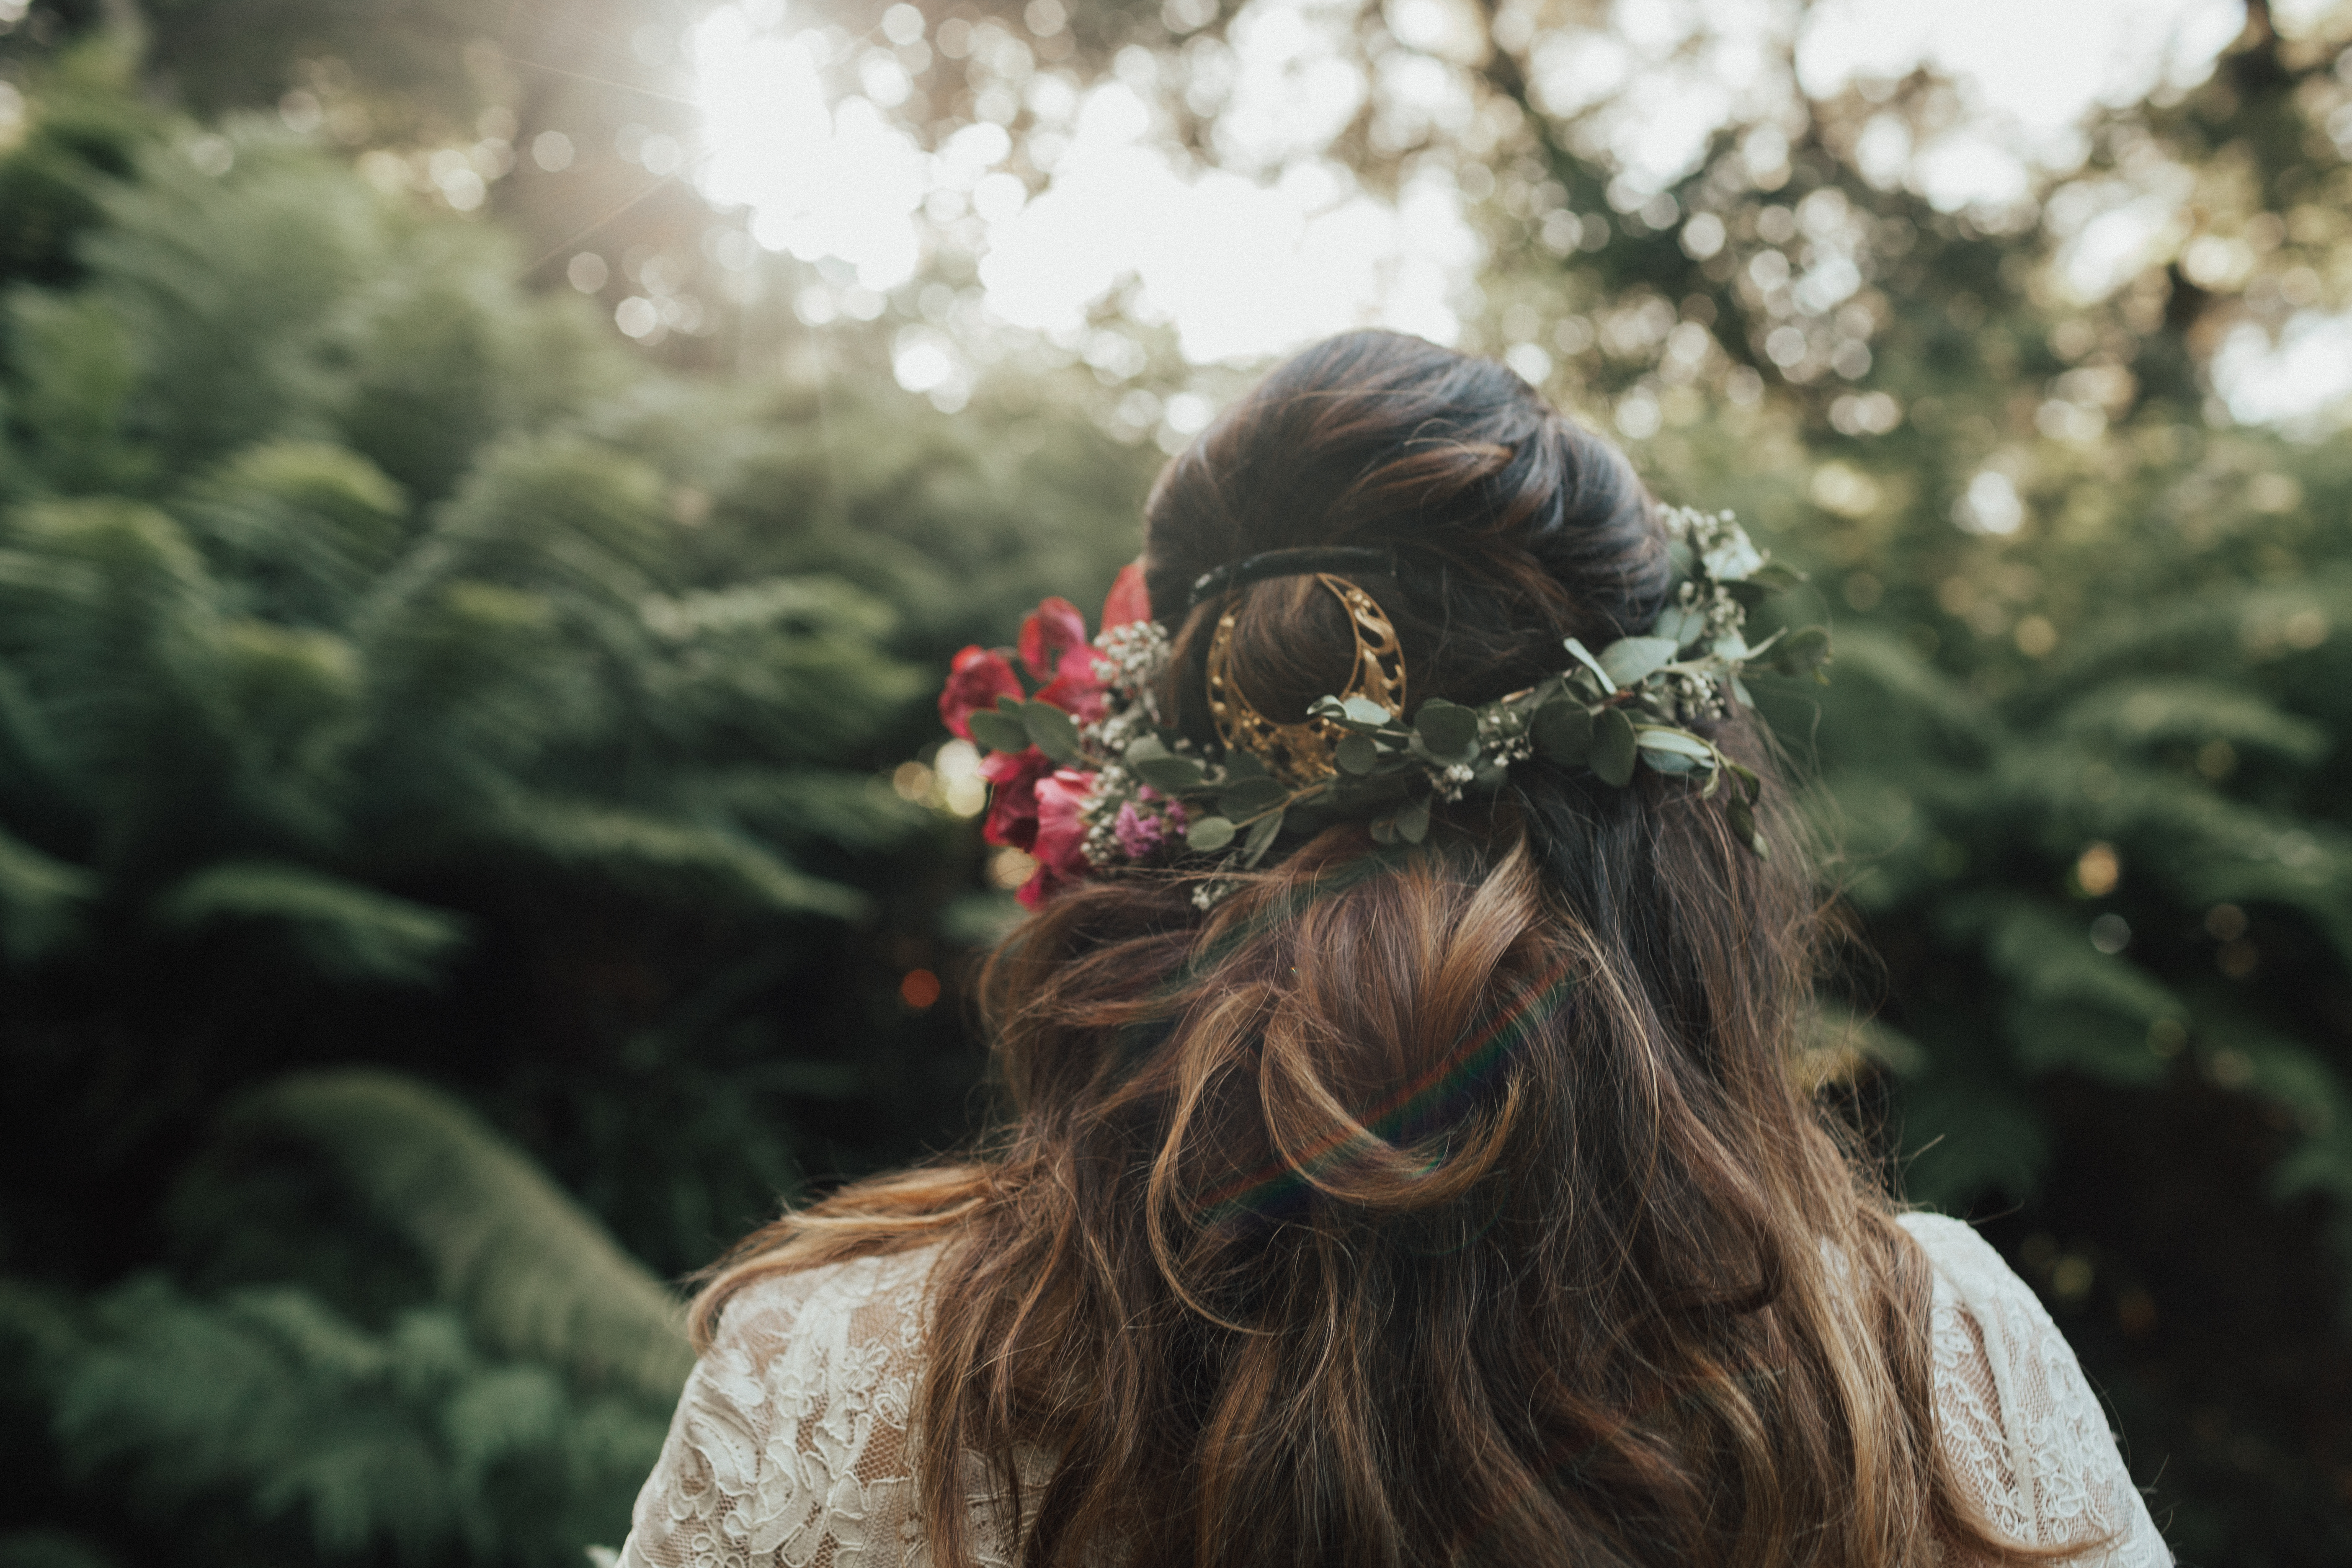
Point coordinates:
[(1209, 834), (1054, 732), (1628, 661), (1775, 577), (1678, 741), (1612, 748), (1678, 624), (1168, 773), (1384, 830), (1261, 837), (1743, 822), (1584, 655), (1801, 651), (1145, 748), (1251, 796), (1447, 728), (999, 731), (1364, 712), (1241, 765), (1739, 690), (1563, 731), (1357, 754), (1668, 762), (1412, 822)]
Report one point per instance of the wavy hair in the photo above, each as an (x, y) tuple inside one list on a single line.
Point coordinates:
[(1453, 1205)]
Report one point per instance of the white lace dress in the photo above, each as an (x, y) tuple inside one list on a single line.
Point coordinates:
[(790, 1443)]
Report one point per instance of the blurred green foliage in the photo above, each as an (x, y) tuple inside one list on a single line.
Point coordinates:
[(392, 671), (395, 672)]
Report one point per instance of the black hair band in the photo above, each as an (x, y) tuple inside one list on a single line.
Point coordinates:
[(1339, 559)]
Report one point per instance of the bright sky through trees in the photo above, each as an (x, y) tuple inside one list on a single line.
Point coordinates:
[(1274, 242)]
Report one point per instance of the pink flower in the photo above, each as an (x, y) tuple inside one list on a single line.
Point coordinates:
[(976, 679), (1143, 833), (1012, 802), (1054, 641), (1061, 844), (1081, 697), (1128, 599)]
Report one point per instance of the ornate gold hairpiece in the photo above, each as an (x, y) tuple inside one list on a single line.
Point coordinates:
[(1307, 752)]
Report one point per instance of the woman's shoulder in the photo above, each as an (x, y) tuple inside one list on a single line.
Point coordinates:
[(791, 1435), (2019, 1424), (858, 1296), (1968, 1272)]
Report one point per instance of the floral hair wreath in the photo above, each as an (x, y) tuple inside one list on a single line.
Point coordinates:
[(1090, 780)]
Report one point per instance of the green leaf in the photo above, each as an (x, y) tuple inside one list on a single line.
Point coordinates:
[(1054, 732), (1412, 822), (1801, 651), (42, 902), (1357, 754), (1775, 577), (1251, 797), (1384, 831), (1447, 728), (1584, 655), (1261, 837), (1563, 731), (1168, 773), (999, 731), (1209, 834), (1628, 660), (1612, 748), (1679, 741), (1241, 765), (1679, 625), (535, 1273), (1743, 822), (1365, 713), (345, 930)]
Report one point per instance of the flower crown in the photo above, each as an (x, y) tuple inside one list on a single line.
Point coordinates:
[(1089, 779)]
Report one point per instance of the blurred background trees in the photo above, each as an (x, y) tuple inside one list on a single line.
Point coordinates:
[(474, 562)]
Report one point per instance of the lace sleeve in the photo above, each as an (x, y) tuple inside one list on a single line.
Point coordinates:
[(2018, 1420), (790, 1443)]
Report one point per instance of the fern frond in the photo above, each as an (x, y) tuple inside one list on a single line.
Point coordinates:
[(42, 901), (2136, 714), (665, 857), (345, 930), (300, 527), (535, 1274)]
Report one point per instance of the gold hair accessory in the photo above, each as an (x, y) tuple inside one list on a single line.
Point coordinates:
[(1305, 752)]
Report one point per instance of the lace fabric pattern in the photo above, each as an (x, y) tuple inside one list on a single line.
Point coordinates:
[(790, 1443), (2019, 1422)]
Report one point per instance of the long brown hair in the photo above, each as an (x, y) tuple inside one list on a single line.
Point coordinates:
[(1445, 1204)]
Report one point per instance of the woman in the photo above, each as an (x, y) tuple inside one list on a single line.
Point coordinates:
[(1420, 1179)]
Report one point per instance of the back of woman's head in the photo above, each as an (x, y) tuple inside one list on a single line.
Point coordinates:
[(1450, 1203)]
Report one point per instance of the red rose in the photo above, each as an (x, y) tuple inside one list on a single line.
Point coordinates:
[(1054, 641), (1054, 646), (1012, 800), (1080, 697), (1129, 600), (975, 679), (1060, 846)]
